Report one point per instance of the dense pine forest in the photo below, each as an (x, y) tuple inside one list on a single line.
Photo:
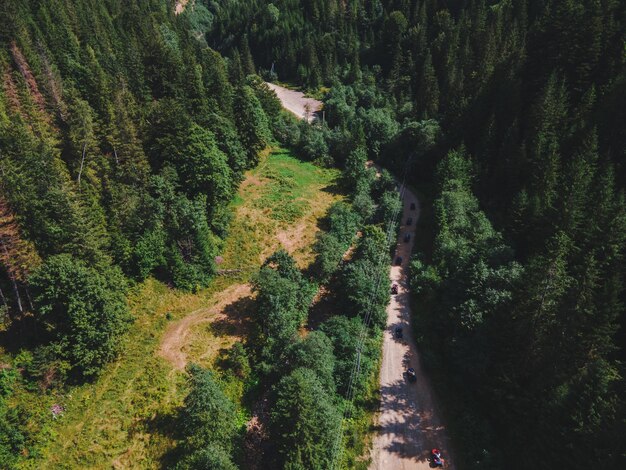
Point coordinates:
[(122, 139), (125, 132), (513, 115)]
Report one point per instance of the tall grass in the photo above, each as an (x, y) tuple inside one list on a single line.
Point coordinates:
[(124, 418)]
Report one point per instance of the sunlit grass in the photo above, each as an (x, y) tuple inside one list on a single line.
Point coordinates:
[(121, 420)]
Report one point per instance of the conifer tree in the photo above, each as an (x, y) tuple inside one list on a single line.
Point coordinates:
[(428, 90)]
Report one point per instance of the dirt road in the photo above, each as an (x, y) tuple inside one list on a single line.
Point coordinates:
[(296, 102), (174, 340), (408, 424)]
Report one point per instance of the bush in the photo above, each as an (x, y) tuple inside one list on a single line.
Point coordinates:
[(237, 360), (83, 309), (283, 299), (315, 352), (12, 440), (211, 457), (344, 334), (424, 278), (209, 417), (329, 253)]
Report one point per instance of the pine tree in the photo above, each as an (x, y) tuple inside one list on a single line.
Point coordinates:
[(549, 119), (427, 91), (247, 62), (17, 256)]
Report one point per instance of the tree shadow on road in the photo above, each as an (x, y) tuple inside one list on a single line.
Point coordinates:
[(412, 432)]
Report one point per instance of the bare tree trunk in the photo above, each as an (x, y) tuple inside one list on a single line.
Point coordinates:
[(82, 163), (3, 298), (12, 279), (28, 297), (117, 161)]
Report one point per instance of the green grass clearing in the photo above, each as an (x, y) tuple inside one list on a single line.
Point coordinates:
[(123, 419)]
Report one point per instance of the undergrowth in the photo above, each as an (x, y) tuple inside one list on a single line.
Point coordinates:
[(126, 417)]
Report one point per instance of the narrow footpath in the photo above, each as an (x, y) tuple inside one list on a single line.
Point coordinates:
[(408, 425)]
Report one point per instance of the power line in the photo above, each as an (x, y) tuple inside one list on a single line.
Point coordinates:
[(356, 369)]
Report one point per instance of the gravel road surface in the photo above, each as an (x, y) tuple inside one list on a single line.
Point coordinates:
[(296, 102), (408, 424)]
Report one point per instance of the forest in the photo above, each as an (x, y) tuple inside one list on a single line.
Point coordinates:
[(125, 132), (512, 113)]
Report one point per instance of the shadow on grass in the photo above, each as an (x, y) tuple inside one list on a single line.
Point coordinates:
[(167, 424), (327, 305), (236, 318), (334, 188)]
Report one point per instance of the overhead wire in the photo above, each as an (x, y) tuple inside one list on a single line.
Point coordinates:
[(356, 368)]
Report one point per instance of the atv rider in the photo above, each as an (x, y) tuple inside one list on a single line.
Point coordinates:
[(436, 455)]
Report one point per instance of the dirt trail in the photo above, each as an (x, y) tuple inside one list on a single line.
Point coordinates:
[(175, 337), (408, 423), (296, 102)]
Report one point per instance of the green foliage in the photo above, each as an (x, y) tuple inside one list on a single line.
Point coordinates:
[(380, 127), (208, 417), (342, 222), (363, 204), (364, 280), (123, 137), (120, 146), (312, 144), (251, 122), (210, 457), (329, 252), (355, 173), (389, 209), (237, 360), (344, 334), (268, 99), (12, 438), (315, 352), (282, 302), (177, 240), (83, 309), (333, 243), (476, 268), (303, 422)]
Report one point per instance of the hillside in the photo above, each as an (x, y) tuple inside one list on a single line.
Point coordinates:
[(510, 114), (191, 277), (123, 419), (123, 142)]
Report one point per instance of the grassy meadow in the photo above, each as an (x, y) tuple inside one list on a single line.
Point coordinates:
[(124, 419)]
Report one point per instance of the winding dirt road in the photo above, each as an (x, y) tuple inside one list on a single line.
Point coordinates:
[(408, 423), (296, 102)]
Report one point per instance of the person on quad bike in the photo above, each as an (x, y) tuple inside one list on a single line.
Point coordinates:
[(394, 289), (436, 457)]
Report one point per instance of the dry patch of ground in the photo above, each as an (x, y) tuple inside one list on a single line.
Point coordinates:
[(278, 205), (180, 6), (121, 420), (175, 340)]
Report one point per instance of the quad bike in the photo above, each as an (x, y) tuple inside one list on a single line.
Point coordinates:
[(435, 459), (394, 289)]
